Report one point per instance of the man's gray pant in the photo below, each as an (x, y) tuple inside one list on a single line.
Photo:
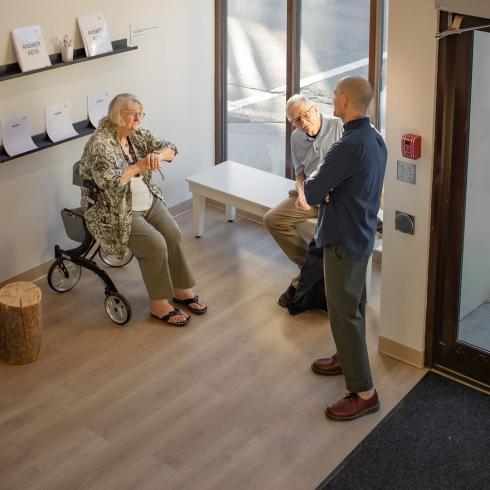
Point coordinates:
[(345, 287)]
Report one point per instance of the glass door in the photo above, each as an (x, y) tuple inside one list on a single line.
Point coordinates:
[(461, 202), (474, 310)]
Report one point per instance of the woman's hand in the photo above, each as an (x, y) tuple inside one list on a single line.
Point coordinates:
[(167, 154), (151, 162)]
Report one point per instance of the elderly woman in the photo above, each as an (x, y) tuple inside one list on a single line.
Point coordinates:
[(130, 210)]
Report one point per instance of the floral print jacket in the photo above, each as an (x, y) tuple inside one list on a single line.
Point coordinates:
[(109, 221)]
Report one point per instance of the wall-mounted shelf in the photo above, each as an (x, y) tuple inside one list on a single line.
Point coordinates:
[(83, 128), (7, 72)]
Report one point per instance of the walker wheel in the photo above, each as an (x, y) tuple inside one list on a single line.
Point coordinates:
[(114, 261), (118, 308), (57, 279)]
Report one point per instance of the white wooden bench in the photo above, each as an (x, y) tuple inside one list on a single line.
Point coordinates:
[(246, 188)]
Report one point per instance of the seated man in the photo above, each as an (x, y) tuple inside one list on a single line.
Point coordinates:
[(310, 142)]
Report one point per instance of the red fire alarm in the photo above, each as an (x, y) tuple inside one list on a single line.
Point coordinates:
[(411, 146)]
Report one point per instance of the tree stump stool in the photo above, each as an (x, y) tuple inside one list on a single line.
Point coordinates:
[(20, 323)]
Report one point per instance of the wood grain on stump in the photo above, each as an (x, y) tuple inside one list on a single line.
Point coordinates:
[(20, 323)]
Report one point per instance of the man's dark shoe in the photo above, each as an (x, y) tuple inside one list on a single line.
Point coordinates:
[(327, 367), (287, 296), (351, 407)]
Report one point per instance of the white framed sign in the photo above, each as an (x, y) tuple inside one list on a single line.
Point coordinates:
[(143, 32)]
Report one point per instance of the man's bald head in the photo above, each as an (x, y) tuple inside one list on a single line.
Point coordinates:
[(358, 92)]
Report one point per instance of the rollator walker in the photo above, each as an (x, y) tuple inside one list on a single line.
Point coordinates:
[(66, 270)]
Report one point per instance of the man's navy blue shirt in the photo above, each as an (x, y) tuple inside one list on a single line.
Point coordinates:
[(354, 168)]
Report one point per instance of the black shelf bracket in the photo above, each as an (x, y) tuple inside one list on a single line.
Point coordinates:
[(8, 72)]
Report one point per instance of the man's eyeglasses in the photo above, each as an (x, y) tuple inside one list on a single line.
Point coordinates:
[(134, 114), (305, 115)]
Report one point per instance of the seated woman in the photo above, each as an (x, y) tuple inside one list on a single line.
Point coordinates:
[(130, 211)]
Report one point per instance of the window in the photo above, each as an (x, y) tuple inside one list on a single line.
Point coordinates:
[(268, 50)]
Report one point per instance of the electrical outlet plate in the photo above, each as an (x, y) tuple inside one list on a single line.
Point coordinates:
[(406, 172)]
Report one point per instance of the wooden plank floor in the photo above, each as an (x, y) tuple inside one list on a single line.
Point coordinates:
[(227, 402)]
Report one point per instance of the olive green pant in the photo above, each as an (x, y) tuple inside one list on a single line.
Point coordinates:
[(345, 287), (156, 241), (281, 221)]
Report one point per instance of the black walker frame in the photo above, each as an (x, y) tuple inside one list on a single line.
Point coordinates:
[(63, 277)]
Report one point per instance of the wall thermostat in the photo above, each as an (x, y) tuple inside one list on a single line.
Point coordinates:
[(411, 146), (404, 222)]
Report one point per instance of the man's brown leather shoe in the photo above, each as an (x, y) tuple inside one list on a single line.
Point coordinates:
[(327, 367), (352, 407)]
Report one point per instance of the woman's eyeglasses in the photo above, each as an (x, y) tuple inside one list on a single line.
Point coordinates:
[(134, 114)]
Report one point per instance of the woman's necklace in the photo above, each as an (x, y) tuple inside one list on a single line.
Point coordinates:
[(132, 153)]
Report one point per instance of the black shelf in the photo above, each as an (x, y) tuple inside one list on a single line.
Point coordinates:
[(8, 72), (83, 128)]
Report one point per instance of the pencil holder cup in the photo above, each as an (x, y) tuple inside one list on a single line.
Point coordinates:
[(66, 53)]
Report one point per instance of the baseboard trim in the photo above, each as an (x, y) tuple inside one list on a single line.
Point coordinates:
[(30, 275), (41, 271), (181, 208), (401, 352)]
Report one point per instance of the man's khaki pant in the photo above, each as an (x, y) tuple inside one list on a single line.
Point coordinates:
[(281, 221), (156, 241)]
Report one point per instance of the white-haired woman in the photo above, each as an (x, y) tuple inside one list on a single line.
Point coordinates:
[(130, 211)]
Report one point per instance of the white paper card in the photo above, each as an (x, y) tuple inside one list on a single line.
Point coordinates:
[(145, 31), (30, 48), (16, 135), (58, 122), (95, 34), (98, 106)]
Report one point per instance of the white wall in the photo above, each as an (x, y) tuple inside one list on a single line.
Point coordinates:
[(475, 287), (410, 104), (174, 76)]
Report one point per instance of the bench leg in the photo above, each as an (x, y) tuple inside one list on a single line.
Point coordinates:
[(198, 207), (368, 278), (230, 212)]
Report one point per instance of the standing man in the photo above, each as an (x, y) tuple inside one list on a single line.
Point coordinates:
[(354, 168), (310, 142)]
